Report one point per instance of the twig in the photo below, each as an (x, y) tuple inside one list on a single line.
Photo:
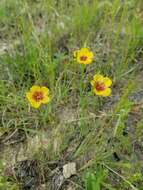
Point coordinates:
[(122, 177)]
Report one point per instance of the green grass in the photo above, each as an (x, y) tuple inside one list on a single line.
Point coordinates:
[(40, 38)]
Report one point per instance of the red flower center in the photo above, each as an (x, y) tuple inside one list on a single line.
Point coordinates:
[(37, 96), (100, 86), (83, 58)]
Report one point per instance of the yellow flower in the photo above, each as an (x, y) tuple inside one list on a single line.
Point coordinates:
[(101, 85), (83, 56), (38, 95)]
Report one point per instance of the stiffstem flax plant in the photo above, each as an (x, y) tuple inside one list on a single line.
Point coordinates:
[(38, 95), (101, 85), (83, 56)]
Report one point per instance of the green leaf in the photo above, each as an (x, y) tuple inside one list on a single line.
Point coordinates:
[(94, 181)]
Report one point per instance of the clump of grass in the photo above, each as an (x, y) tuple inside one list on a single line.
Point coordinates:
[(43, 36)]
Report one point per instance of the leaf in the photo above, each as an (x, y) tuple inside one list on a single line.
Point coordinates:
[(94, 181)]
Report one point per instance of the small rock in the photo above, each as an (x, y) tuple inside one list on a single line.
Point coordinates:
[(69, 170), (70, 188)]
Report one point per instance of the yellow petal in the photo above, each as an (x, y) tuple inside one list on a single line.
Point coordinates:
[(45, 100), (91, 55), (98, 93), (29, 95), (35, 88), (106, 92), (45, 90), (92, 82), (84, 50), (35, 104), (103, 93), (98, 77), (107, 81), (89, 60), (75, 53)]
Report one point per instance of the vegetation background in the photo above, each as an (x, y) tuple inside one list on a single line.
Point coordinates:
[(103, 136)]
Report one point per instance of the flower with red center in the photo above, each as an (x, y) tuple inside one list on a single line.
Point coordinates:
[(101, 85), (83, 56), (38, 95)]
